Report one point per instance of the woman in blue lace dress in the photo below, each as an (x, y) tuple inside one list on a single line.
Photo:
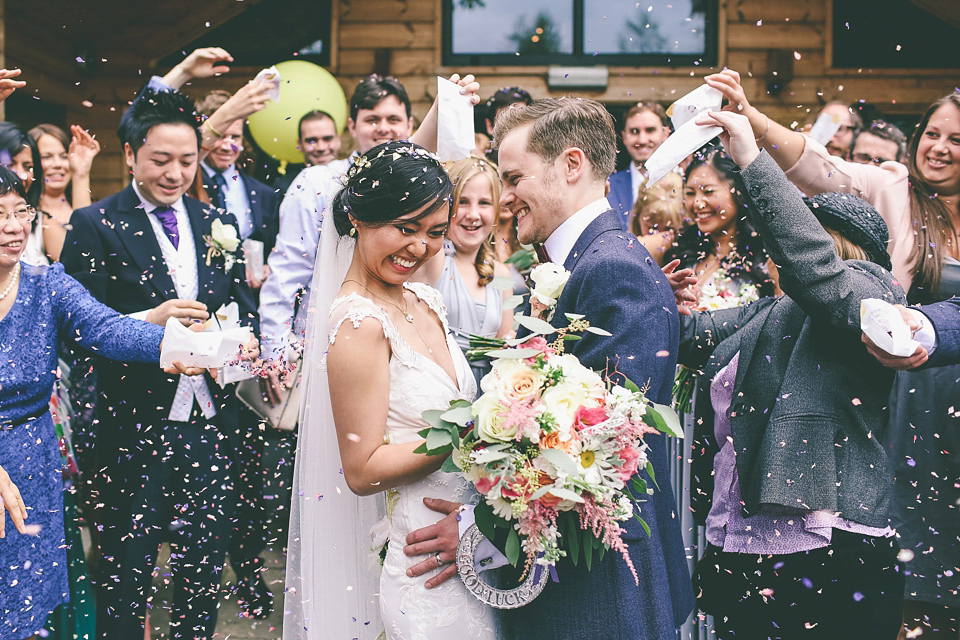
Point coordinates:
[(39, 305)]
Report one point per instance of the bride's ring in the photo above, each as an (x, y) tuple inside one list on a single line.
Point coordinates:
[(439, 561)]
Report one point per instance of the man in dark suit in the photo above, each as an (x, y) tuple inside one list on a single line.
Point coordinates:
[(644, 130), (167, 446), (257, 210), (555, 157)]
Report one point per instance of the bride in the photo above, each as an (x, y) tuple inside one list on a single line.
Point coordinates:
[(378, 355)]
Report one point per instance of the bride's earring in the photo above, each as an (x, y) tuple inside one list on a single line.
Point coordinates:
[(353, 231)]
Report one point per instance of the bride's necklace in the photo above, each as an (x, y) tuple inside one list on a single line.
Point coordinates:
[(13, 280), (406, 314)]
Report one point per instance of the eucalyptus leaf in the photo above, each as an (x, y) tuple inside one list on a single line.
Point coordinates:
[(574, 316), (503, 283), (561, 460), (513, 302), (536, 325), (599, 331), (565, 494), (433, 417), (670, 420), (438, 439), (516, 354), (460, 415)]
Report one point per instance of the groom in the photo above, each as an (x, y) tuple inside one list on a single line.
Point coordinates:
[(555, 158)]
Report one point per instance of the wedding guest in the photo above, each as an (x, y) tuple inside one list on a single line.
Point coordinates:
[(39, 305), (168, 458), (722, 236), (319, 142), (658, 216), (851, 123), (380, 355), (920, 202), (379, 111), (644, 129), (463, 272), (791, 479), (66, 162), (878, 143)]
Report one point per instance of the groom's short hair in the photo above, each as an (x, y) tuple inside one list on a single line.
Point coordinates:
[(562, 123)]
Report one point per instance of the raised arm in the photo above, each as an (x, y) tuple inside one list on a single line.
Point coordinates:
[(811, 272), (201, 63), (426, 135), (359, 377)]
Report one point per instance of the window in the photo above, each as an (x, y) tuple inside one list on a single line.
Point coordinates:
[(584, 32), (899, 35)]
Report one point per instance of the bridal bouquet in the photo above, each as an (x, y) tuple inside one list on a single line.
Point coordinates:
[(553, 449), (719, 292)]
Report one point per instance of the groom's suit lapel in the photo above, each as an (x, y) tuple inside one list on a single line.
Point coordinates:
[(133, 228), (609, 220)]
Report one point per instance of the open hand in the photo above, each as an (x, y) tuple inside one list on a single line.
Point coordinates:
[(202, 63), (83, 149), (737, 136), (440, 540), (681, 281)]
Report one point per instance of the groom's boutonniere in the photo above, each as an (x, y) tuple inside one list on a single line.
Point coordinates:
[(548, 280), (222, 241)]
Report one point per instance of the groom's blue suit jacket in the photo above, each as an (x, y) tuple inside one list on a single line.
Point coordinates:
[(618, 287)]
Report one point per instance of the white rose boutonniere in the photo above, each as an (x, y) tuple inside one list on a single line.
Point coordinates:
[(548, 282), (222, 241)]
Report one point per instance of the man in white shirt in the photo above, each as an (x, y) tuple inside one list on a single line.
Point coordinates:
[(644, 130), (379, 112), (167, 446)]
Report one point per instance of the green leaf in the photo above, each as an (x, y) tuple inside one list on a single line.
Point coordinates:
[(574, 538), (630, 385), (640, 485), (535, 325), (434, 417), (486, 519), (561, 460), (449, 465), (643, 524), (517, 354), (513, 547), (599, 331), (461, 414), (652, 475), (502, 283), (574, 316), (669, 420), (513, 302), (572, 336), (438, 439), (588, 549), (423, 447), (565, 494)]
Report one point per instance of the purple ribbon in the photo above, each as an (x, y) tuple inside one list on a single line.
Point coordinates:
[(539, 568)]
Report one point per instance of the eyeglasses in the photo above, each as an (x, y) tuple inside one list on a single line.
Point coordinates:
[(863, 158), (23, 214)]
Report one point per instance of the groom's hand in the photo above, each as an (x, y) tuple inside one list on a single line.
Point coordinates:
[(439, 540)]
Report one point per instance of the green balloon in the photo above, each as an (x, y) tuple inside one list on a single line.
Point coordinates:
[(304, 87)]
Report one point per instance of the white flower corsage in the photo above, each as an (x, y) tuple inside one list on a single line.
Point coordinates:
[(548, 280), (222, 241)]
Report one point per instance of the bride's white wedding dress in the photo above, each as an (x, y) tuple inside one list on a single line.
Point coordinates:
[(409, 610)]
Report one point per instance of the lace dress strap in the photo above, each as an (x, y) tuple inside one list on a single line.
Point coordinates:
[(355, 309), (433, 298)]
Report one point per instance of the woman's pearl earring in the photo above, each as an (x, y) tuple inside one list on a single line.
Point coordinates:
[(353, 231)]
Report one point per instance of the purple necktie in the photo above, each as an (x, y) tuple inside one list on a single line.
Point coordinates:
[(168, 219)]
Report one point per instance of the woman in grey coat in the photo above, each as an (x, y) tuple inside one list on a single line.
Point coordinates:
[(792, 481)]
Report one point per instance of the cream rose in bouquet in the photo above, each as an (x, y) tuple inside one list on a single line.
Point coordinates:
[(553, 448)]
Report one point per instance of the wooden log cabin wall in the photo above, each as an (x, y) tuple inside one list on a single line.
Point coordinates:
[(783, 43)]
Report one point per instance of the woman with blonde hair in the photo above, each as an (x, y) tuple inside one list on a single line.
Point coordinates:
[(464, 271), (657, 217)]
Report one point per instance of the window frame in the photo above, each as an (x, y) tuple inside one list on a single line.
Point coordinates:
[(579, 57)]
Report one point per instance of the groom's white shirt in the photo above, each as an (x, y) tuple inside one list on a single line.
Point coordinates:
[(561, 241)]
